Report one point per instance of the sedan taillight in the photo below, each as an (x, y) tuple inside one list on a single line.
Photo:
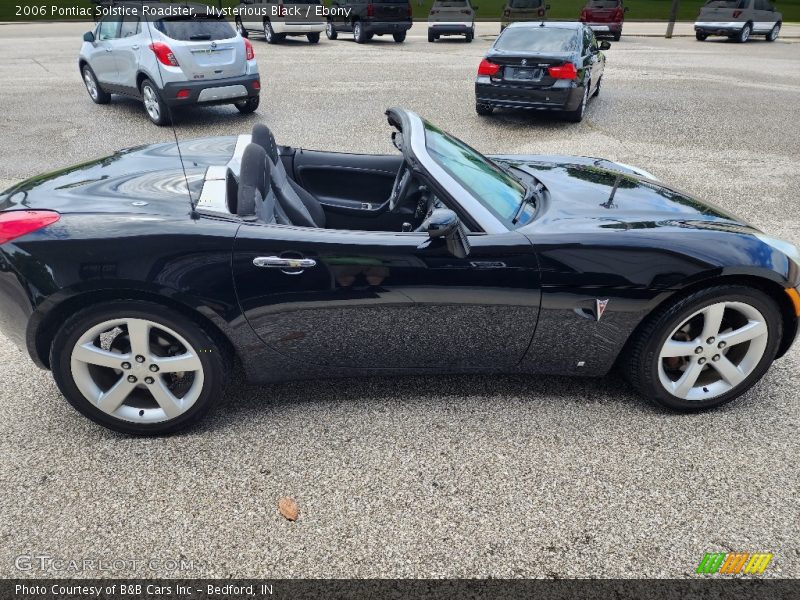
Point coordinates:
[(248, 48), (488, 68), (16, 223), (565, 71), (164, 54)]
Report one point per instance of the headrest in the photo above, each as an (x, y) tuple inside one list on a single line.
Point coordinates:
[(231, 190), (264, 138), (254, 180)]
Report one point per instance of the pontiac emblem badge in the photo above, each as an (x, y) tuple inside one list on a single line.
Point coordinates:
[(601, 307)]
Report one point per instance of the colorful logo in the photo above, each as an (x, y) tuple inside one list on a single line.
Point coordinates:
[(734, 563)]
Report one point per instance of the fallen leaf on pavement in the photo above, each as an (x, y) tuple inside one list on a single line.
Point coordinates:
[(288, 508)]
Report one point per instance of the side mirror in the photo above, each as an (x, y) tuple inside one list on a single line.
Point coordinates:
[(88, 37), (605, 45), (444, 223)]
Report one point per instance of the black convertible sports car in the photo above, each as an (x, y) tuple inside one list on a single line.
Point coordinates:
[(298, 264)]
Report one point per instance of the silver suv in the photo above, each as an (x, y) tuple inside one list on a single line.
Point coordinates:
[(169, 62), (738, 19)]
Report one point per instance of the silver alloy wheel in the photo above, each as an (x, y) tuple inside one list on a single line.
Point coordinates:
[(773, 34), (137, 370), (268, 32), (357, 30), (239, 27), (91, 84), (585, 98), (713, 351), (329, 29), (745, 35), (151, 102)]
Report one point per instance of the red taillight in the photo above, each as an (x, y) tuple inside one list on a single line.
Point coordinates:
[(584, 15), (618, 14), (256, 85), (16, 223), (281, 10), (164, 54), (541, 12), (565, 71), (488, 68), (248, 48), (736, 14), (182, 94), (370, 10)]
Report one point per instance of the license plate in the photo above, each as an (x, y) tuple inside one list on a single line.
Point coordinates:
[(522, 74)]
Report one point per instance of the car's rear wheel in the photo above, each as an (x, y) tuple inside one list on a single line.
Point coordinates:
[(470, 35), (313, 38), (484, 110), (96, 93), (596, 92), (576, 116), (744, 34), (330, 31), (431, 37), (399, 37), (774, 32), (616, 37), (240, 27), (154, 106), (247, 106), (138, 367), (358, 33), (269, 34), (706, 349), (701, 37)]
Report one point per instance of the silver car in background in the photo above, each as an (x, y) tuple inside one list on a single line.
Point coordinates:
[(169, 62), (738, 19)]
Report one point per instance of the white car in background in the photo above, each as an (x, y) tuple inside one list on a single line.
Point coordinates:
[(169, 63), (451, 17), (278, 20)]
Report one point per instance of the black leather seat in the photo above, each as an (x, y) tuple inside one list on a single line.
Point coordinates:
[(300, 207), (254, 196)]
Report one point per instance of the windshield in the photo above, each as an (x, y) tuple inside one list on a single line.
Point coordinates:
[(491, 186), (537, 39), (525, 3), (185, 30)]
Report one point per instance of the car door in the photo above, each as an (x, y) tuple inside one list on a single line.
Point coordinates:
[(102, 58), (385, 299), (126, 51), (596, 57), (764, 17)]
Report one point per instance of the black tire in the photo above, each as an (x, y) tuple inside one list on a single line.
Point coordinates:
[(96, 93), (576, 116), (484, 110), (641, 356), (159, 112), (470, 36), (359, 35), (701, 37), (247, 106), (216, 365), (431, 37), (269, 34), (313, 38), (240, 28), (596, 92), (330, 31), (744, 34), (399, 37), (773, 33), (617, 36)]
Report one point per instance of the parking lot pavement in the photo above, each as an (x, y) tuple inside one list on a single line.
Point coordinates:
[(451, 476)]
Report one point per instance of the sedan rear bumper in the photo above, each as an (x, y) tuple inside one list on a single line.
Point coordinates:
[(511, 96), (217, 91)]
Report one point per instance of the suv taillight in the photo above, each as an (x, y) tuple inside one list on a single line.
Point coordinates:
[(281, 10), (16, 223), (248, 48), (370, 10), (618, 14), (584, 15), (488, 68), (164, 54), (736, 14), (565, 71)]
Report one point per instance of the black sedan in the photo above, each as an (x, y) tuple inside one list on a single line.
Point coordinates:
[(541, 66), (293, 263)]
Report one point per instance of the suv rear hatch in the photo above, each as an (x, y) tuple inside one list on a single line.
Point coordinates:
[(390, 10), (602, 11), (205, 48), (721, 10)]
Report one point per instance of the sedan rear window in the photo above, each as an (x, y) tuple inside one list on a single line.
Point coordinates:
[(186, 30), (525, 3), (603, 3), (537, 39)]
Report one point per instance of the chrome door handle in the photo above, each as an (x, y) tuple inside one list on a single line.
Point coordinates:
[(276, 262)]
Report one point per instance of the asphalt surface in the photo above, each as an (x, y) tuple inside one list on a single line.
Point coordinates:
[(422, 477)]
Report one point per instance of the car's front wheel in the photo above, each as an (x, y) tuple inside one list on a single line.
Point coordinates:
[(701, 37), (744, 34), (330, 31), (96, 93), (247, 106), (153, 104), (359, 35), (705, 349), (774, 32), (137, 367)]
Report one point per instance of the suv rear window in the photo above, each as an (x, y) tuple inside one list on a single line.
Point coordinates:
[(537, 39), (198, 29), (525, 3), (603, 3), (725, 3), (390, 2)]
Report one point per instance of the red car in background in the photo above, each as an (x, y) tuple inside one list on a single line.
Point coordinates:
[(605, 17)]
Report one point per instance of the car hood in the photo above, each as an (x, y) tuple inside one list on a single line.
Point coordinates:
[(149, 179), (591, 193)]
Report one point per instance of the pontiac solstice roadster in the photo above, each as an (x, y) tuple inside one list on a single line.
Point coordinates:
[(140, 286)]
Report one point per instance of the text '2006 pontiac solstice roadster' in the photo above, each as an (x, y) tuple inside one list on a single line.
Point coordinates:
[(295, 264)]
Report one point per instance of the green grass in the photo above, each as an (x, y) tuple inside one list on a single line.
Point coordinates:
[(641, 10)]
